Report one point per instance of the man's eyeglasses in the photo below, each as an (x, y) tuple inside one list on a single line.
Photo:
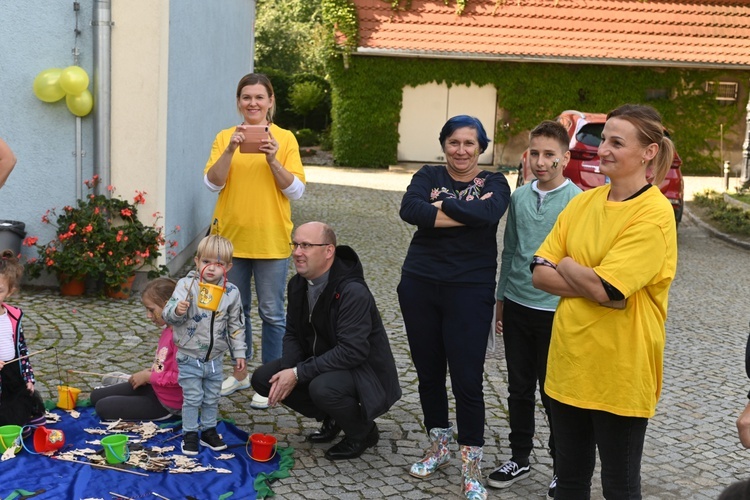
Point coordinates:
[(307, 246)]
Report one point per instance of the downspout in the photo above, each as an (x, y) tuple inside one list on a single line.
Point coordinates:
[(746, 146), (102, 23)]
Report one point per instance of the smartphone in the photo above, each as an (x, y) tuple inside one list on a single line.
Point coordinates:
[(254, 135)]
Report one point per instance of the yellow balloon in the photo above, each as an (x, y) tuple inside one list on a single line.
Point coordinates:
[(47, 85), (74, 80), (80, 104)]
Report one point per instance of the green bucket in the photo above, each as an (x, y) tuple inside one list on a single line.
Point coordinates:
[(116, 448), (10, 436)]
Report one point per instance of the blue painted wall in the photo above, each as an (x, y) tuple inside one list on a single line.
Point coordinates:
[(35, 36), (210, 49)]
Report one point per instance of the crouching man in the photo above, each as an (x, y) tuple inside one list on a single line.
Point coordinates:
[(337, 365)]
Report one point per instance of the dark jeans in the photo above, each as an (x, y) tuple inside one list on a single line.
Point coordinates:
[(448, 327), (578, 432), (331, 394), (526, 335)]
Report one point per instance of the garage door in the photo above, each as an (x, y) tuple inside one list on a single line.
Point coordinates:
[(425, 110)]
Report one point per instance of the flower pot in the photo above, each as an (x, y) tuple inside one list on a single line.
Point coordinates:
[(72, 286), (123, 292)]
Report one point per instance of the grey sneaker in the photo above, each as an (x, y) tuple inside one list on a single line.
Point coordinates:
[(211, 439), (507, 474), (190, 444)]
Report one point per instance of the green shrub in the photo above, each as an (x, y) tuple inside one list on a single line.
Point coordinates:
[(306, 137), (729, 218)]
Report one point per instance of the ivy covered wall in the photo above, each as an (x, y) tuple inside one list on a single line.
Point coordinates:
[(366, 99)]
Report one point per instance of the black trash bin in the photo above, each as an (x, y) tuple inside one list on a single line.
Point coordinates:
[(12, 233)]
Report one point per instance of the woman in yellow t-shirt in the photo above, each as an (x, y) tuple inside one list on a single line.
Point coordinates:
[(253, 211), (611, 257)]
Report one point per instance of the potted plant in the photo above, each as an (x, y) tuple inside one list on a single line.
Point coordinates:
[(101, 237)]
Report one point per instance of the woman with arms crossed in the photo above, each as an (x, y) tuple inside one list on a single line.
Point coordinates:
[(611, 257)]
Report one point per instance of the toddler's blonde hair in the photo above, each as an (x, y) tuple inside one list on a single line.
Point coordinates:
[(213, 244)]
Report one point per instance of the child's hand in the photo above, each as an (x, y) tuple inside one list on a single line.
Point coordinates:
[(240, 364), (140, 378), (30, 387), (182, 307)]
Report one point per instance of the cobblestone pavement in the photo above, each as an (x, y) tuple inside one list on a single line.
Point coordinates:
[(691, 446)]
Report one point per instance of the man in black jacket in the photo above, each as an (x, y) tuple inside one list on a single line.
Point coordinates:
[(337, 365)]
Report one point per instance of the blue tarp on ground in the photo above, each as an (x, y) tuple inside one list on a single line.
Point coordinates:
[(65, 480)]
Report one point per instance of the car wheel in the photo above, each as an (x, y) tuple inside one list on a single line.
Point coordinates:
[(678, 213)]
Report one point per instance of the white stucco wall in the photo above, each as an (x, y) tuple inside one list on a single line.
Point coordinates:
[(34, 37), (175, 67)]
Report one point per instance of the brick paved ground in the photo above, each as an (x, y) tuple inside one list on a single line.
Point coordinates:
[(691, 447)]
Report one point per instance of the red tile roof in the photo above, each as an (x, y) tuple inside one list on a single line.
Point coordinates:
[(650, 32)]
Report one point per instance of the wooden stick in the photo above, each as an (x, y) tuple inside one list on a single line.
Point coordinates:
[(100, 465), (120, 496), (28, 355), (159, 496), (100, 374)]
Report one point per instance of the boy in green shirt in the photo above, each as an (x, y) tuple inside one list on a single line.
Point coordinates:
[(524, 313)]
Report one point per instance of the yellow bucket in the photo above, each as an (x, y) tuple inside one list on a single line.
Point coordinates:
[(209, 295), (67, 397)]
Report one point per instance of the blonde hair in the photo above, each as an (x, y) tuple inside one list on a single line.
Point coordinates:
[(649, 130), (213, 244), (159, 291), (11, 268)]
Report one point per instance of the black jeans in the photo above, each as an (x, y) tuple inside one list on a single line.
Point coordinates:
[(526, 335), (122, 401), (330, 394), (578, 432), (448, 327)]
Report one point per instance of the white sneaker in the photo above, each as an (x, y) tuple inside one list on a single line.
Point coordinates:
[(232, 385), (259, 402)]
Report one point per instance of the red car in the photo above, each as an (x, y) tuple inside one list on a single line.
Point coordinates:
[(585, 132)]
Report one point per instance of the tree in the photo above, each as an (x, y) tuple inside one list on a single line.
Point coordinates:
[(289, 36)]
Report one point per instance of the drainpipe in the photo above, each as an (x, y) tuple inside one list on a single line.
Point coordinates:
[(102, 23), (746, 146)]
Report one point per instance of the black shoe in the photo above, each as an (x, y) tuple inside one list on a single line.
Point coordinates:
[(190, 444), (211, 439), (327, 432), (349, 448)]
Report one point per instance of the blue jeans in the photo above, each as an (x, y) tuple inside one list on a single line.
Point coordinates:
[(270, 285), (201, 384)]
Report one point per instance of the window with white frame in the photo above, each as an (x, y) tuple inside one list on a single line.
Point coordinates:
[(724, 91)]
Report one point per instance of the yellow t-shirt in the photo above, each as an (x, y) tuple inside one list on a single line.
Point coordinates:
[(251, 211), (612, 359)]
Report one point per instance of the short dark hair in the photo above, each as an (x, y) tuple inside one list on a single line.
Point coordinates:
[(552, 130), (462, 121)]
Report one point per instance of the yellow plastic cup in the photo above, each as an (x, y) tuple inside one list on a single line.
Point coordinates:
[(209, 295)]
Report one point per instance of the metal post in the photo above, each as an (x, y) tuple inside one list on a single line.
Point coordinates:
[(746, 146), (102, 22), (726, 175)]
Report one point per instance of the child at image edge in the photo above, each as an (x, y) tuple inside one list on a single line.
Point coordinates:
[(20, 404), (524, 313), (153, 393), (202, 336)]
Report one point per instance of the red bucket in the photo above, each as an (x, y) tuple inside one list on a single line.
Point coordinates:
[(48, 439), (262, 447)]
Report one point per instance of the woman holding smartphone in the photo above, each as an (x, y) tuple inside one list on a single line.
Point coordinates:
[(253, 211)]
